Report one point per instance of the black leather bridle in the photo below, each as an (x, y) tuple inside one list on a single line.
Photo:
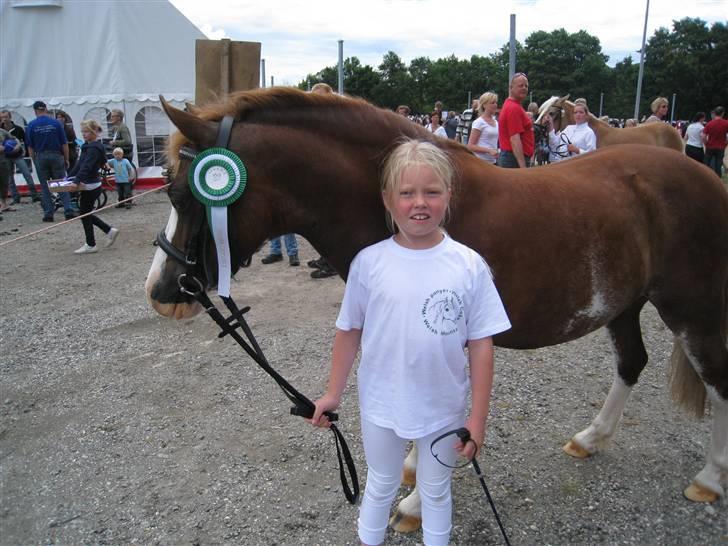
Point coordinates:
[(190, 284)]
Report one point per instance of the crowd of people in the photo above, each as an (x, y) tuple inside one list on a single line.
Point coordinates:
[(504, 135), (48, 143)]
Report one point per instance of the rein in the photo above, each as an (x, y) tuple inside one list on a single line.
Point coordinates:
[(464, 435), (190, 284), (561, 149)]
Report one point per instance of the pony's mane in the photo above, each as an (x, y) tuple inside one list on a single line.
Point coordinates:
[(277, 103), (545, 108)]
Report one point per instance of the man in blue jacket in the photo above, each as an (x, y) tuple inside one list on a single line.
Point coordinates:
[(46, 141)]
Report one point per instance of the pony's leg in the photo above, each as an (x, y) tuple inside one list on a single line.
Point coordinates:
[(408, 515), (409, 472), (706, 486), (709, 357), (630, 359), (407, 518)]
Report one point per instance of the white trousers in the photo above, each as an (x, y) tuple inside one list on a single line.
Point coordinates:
[(385, 453)]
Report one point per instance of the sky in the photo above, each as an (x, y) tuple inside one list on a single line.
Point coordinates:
[(300, 38)]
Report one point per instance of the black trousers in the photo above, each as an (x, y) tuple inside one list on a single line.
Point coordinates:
[(86, 204)]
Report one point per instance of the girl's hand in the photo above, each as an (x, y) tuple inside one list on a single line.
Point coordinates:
[(477, 435), (326, 403), (493, 152)]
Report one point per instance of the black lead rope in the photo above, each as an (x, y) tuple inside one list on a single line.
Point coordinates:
[(303, 406), (464, 435)]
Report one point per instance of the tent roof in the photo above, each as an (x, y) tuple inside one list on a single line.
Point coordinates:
[(75, 52)]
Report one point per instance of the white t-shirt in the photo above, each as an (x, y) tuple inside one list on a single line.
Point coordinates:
[(488, 138), (417, 309), (693, 133), (440, 131), (580, 135)]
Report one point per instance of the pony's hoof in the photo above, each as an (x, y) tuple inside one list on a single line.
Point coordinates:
[(575, 450), (409, 477), (404, 524), (697, 493)]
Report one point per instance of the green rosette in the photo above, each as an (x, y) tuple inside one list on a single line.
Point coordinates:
[(217, 177)]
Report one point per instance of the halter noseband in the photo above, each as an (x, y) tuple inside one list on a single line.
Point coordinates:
[(188, 258)]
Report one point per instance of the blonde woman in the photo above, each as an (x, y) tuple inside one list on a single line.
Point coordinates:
[(575, 139), (659, 110), (483, 139), (86, 171)]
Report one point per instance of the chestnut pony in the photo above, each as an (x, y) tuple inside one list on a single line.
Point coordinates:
[(657, 134), (574, 246)]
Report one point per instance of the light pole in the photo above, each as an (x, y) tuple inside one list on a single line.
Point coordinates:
[(642, 67), (341, 67)]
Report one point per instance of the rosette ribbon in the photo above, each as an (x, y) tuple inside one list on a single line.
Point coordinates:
[(217, 178)]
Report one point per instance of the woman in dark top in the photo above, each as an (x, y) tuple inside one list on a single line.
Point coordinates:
[(86, 172)]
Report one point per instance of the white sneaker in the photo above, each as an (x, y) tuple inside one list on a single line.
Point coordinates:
[(85, 249), (111, 236)]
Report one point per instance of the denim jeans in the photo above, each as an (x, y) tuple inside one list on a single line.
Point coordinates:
[(51, 166), (714, 159), (23, 168), (508, 160), (291, 245)]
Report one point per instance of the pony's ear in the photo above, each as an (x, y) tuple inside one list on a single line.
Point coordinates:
[(197, 130), (191, 108)]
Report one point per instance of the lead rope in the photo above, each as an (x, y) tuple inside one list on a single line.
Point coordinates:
[(303, 406), (464, 435)]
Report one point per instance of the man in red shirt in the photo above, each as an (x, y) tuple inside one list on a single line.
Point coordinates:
[(714, 137), (515, 128)]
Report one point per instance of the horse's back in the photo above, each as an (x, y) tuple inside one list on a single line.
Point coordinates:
[(572, 245), (655, 134)]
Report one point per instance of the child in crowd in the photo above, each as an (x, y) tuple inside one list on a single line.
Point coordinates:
[(413, 382), (86, 171), (123, 174)]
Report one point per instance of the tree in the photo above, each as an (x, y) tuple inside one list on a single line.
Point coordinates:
[(688, 61), (359, 79), (394, 85), (558, 63)]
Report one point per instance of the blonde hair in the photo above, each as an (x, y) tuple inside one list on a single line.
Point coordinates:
[(91, 125), (414, 153), (322, 88), (485, 98), (583, 105), (118, 151), (659, 101)]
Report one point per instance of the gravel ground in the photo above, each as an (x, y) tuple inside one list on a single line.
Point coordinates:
[(120, 427)]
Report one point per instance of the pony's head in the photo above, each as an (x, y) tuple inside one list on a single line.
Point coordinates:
[(312, 164), (556, 109)]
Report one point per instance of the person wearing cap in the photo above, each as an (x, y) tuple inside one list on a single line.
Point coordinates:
[(47, 145)]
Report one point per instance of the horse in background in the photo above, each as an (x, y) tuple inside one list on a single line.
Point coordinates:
[(561, 111), (574, 246)]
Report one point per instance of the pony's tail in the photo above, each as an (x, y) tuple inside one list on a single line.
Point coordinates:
[(686, 387)]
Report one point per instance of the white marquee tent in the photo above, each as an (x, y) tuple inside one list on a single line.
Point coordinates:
[(86, 57)]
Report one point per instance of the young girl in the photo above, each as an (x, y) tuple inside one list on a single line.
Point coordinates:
[(414, 301), (574, 139), (123, 173), (86, 171)]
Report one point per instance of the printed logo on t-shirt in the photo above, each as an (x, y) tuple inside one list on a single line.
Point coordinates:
[(442, 311)]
